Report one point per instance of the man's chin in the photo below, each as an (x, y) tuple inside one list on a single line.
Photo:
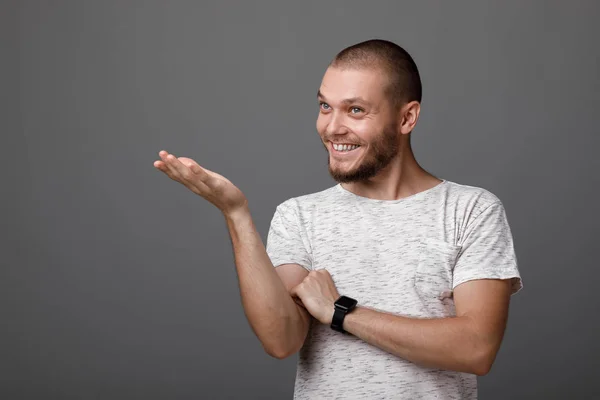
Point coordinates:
[(362, 173), (343, 176)]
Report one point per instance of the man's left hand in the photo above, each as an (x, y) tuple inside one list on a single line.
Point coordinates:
[(318, 293)]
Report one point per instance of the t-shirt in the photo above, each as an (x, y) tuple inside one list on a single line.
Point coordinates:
[(400, 256)]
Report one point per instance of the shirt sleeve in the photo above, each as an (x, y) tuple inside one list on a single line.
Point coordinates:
[(487, 250), (286, 243)]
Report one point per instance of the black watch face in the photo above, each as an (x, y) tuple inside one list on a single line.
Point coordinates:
[(345, 303)]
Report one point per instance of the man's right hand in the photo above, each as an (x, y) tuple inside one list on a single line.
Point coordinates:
[(213, 187)]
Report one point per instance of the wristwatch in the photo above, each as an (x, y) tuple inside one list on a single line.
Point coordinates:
[(343, 306)]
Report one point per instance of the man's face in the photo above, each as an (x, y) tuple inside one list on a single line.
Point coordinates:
[(355, 110)]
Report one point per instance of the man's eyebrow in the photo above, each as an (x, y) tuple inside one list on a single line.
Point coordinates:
[(355, 100), (346, 101)]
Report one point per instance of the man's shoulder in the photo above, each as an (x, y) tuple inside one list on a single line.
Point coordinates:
[(472, 198)]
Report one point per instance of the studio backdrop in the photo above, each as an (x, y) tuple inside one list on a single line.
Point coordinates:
[(119, 283)]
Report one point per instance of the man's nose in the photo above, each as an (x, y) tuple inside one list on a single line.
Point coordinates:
[(335, 125)]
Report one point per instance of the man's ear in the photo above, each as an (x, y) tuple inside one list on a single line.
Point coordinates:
[(409, 115)]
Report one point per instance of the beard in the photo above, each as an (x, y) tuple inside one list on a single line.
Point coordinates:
[(381, 152)]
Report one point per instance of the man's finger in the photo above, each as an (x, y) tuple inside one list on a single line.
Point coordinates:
[(205, 176), (163, 167), (295, 291), (178, 166), (299, 302), (167, 159), (196, 170)]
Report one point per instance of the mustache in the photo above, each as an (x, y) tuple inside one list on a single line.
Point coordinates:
[(342, 141)]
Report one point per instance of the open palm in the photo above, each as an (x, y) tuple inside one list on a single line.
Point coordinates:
[(208, 184)]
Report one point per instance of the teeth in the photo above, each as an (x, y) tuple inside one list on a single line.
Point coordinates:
[(345, 147)]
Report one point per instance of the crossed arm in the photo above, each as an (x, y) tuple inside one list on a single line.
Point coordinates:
[(468, 342)]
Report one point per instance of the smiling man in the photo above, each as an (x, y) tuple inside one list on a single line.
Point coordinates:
[(391, 284)]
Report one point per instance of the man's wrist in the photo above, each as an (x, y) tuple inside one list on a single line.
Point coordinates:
[(238, 214), (343, 306)]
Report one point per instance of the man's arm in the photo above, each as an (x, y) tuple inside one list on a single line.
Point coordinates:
[(468, 342), (278, 321)]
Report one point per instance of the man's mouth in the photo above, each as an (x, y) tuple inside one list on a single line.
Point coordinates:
[(344, 147)]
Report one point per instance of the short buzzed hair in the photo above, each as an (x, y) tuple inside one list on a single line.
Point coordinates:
[(405, 81)]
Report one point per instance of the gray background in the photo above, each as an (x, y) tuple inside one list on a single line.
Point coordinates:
[(118, 283)]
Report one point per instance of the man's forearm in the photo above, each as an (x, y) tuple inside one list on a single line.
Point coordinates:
[(447, 343), (272, 313)]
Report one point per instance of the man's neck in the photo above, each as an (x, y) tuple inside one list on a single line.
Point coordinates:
[(402, 178)]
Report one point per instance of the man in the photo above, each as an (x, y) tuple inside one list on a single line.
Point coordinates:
[(393, 283)]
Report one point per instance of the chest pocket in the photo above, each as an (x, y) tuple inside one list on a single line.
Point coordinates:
[(433, 275)]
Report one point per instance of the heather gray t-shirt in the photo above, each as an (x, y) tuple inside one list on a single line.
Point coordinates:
[(399, 256)]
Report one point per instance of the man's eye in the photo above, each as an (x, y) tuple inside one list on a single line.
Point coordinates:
[(356, 110), (324, 106)]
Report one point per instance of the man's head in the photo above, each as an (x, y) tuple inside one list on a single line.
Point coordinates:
[(370, 96)]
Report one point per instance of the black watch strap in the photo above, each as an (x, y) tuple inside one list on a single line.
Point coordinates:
[(337, 321)]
